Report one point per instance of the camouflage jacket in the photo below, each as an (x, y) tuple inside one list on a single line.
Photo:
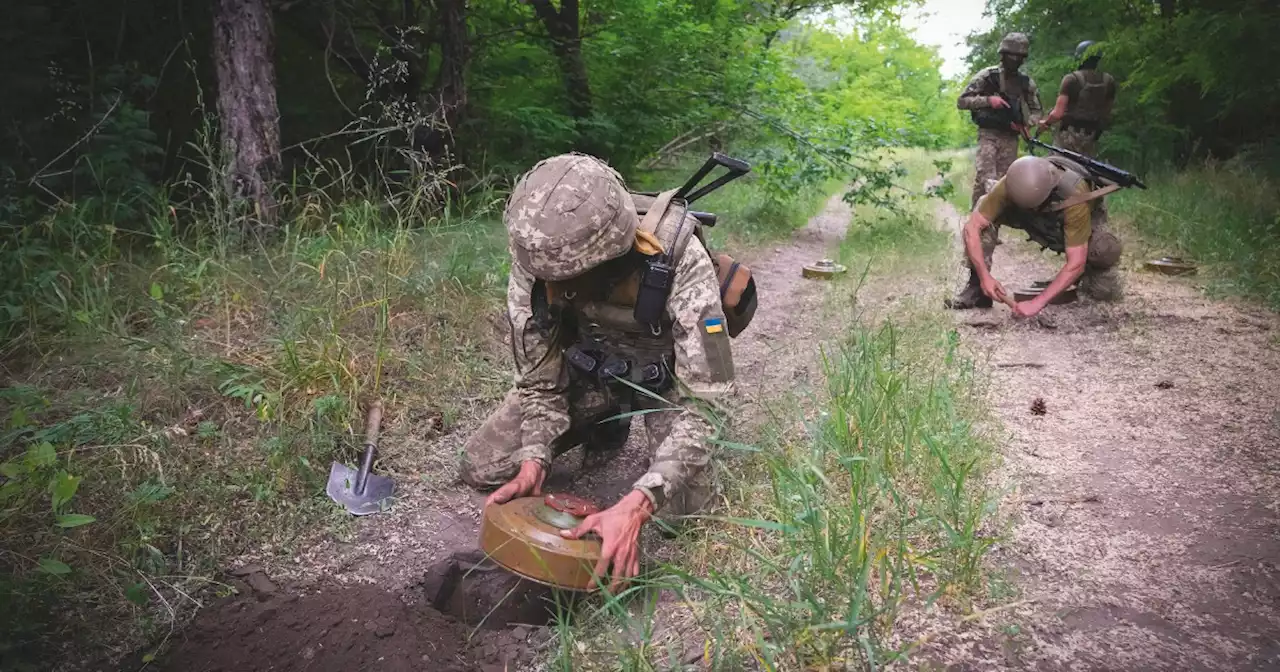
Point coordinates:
[(692, 311), (975, 96)]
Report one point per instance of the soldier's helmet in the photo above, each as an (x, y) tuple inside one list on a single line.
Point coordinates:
[(567, 215), (1029, 181), (1015, 43), (1084, 47)]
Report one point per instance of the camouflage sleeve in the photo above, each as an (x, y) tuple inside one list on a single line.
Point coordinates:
[(976, 93), (540, 375), (704, 366)]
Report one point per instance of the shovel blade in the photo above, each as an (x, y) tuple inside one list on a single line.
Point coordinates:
[(377, 495)]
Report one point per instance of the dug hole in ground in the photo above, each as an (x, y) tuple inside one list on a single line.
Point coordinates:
[(1141, 504)]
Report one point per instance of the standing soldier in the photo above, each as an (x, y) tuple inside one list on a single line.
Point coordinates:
[(1084, 104), (997, 98), (578, 247)]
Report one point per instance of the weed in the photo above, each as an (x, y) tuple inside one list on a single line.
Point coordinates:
[(1225, 216)]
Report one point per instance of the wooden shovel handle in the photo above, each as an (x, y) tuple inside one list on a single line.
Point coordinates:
[(372, 423)]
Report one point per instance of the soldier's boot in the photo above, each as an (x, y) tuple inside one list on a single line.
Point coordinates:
[(970, 297)]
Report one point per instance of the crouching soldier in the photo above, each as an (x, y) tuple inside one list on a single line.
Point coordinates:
[(580, 253), (1055, 202)]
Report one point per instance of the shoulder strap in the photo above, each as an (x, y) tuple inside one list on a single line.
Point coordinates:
[(1085, 197), (667, 220)]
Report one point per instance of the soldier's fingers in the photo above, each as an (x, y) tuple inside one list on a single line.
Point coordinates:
[(590, 524), (501, 495), (602, 566)]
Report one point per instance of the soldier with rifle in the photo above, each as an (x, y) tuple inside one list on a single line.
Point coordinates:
[(1058, 202), (616, 308), (1002, 102), (1084, 103)]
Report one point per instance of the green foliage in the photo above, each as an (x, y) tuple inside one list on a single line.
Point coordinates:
[(1188, 71)]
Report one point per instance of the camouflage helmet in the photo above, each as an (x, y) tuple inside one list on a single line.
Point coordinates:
[(567, 215), (1015, 43), (1083, 47), (1029, 181), (1104, 250)]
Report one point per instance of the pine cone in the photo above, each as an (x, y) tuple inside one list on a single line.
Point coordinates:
[(1038, 407)]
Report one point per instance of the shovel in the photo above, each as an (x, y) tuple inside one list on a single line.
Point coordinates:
[(359, 491)]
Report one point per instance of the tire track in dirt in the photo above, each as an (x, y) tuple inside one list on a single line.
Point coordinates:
[(1148, 533)]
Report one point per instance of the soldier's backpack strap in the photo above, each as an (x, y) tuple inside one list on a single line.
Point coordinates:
[(1066, 189)]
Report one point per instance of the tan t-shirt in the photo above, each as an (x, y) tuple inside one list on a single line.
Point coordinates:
[(1076, 227)]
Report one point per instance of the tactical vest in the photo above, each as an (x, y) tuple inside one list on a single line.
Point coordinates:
[(1091, 110), (1015, 93), (607, 340), (1044, 225)]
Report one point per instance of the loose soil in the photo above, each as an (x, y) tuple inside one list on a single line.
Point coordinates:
[(403, 592), (1147, 532)]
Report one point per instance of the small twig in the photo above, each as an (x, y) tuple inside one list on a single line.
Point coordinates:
[(1028, 365), (88, 134)]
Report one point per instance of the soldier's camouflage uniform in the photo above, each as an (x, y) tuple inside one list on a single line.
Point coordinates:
[(996, 148), (554, 405)]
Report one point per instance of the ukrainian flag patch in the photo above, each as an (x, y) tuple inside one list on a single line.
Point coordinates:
[(713, 325)]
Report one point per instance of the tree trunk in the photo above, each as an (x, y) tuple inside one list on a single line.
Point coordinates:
[(448, 98), (244, 60), (565, 29)]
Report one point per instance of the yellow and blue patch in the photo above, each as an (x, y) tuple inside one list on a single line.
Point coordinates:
[(713, 325)]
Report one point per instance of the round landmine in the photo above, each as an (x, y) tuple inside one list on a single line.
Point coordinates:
[(823, 269), (523, 536), (1067, 295), (1171, 266)]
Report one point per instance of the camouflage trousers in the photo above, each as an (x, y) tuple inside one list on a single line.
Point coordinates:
[(677, 444), (996, 150), (1076, 140)]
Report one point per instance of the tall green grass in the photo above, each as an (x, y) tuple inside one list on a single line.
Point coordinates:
[(1225, 216), (183, 398)]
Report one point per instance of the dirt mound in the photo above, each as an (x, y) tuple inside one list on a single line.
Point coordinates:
[(340, 628)]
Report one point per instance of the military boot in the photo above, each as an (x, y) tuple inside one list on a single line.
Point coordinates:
[(970, 297)]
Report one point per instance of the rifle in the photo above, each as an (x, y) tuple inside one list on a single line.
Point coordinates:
[(1104, 171), (735, 168)]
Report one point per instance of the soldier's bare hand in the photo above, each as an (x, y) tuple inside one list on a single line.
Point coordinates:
[(992, 288), (619, 530), (1027, 308), (527, 482), (997, 102)]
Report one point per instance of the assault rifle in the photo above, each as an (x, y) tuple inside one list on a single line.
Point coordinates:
[(1104, 171)]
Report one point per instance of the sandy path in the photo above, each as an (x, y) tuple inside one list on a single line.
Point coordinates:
[(1146, 497)]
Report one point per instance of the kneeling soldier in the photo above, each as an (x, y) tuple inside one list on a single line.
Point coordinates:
[(578, 251), (1053, 200)]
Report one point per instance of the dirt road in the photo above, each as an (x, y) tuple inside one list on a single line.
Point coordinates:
[(1148, 534)]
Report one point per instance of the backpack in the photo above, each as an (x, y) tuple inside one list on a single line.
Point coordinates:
[(1091, 107), (670, 222)]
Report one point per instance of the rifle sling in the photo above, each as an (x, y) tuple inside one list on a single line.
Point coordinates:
[(1082, 198)]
